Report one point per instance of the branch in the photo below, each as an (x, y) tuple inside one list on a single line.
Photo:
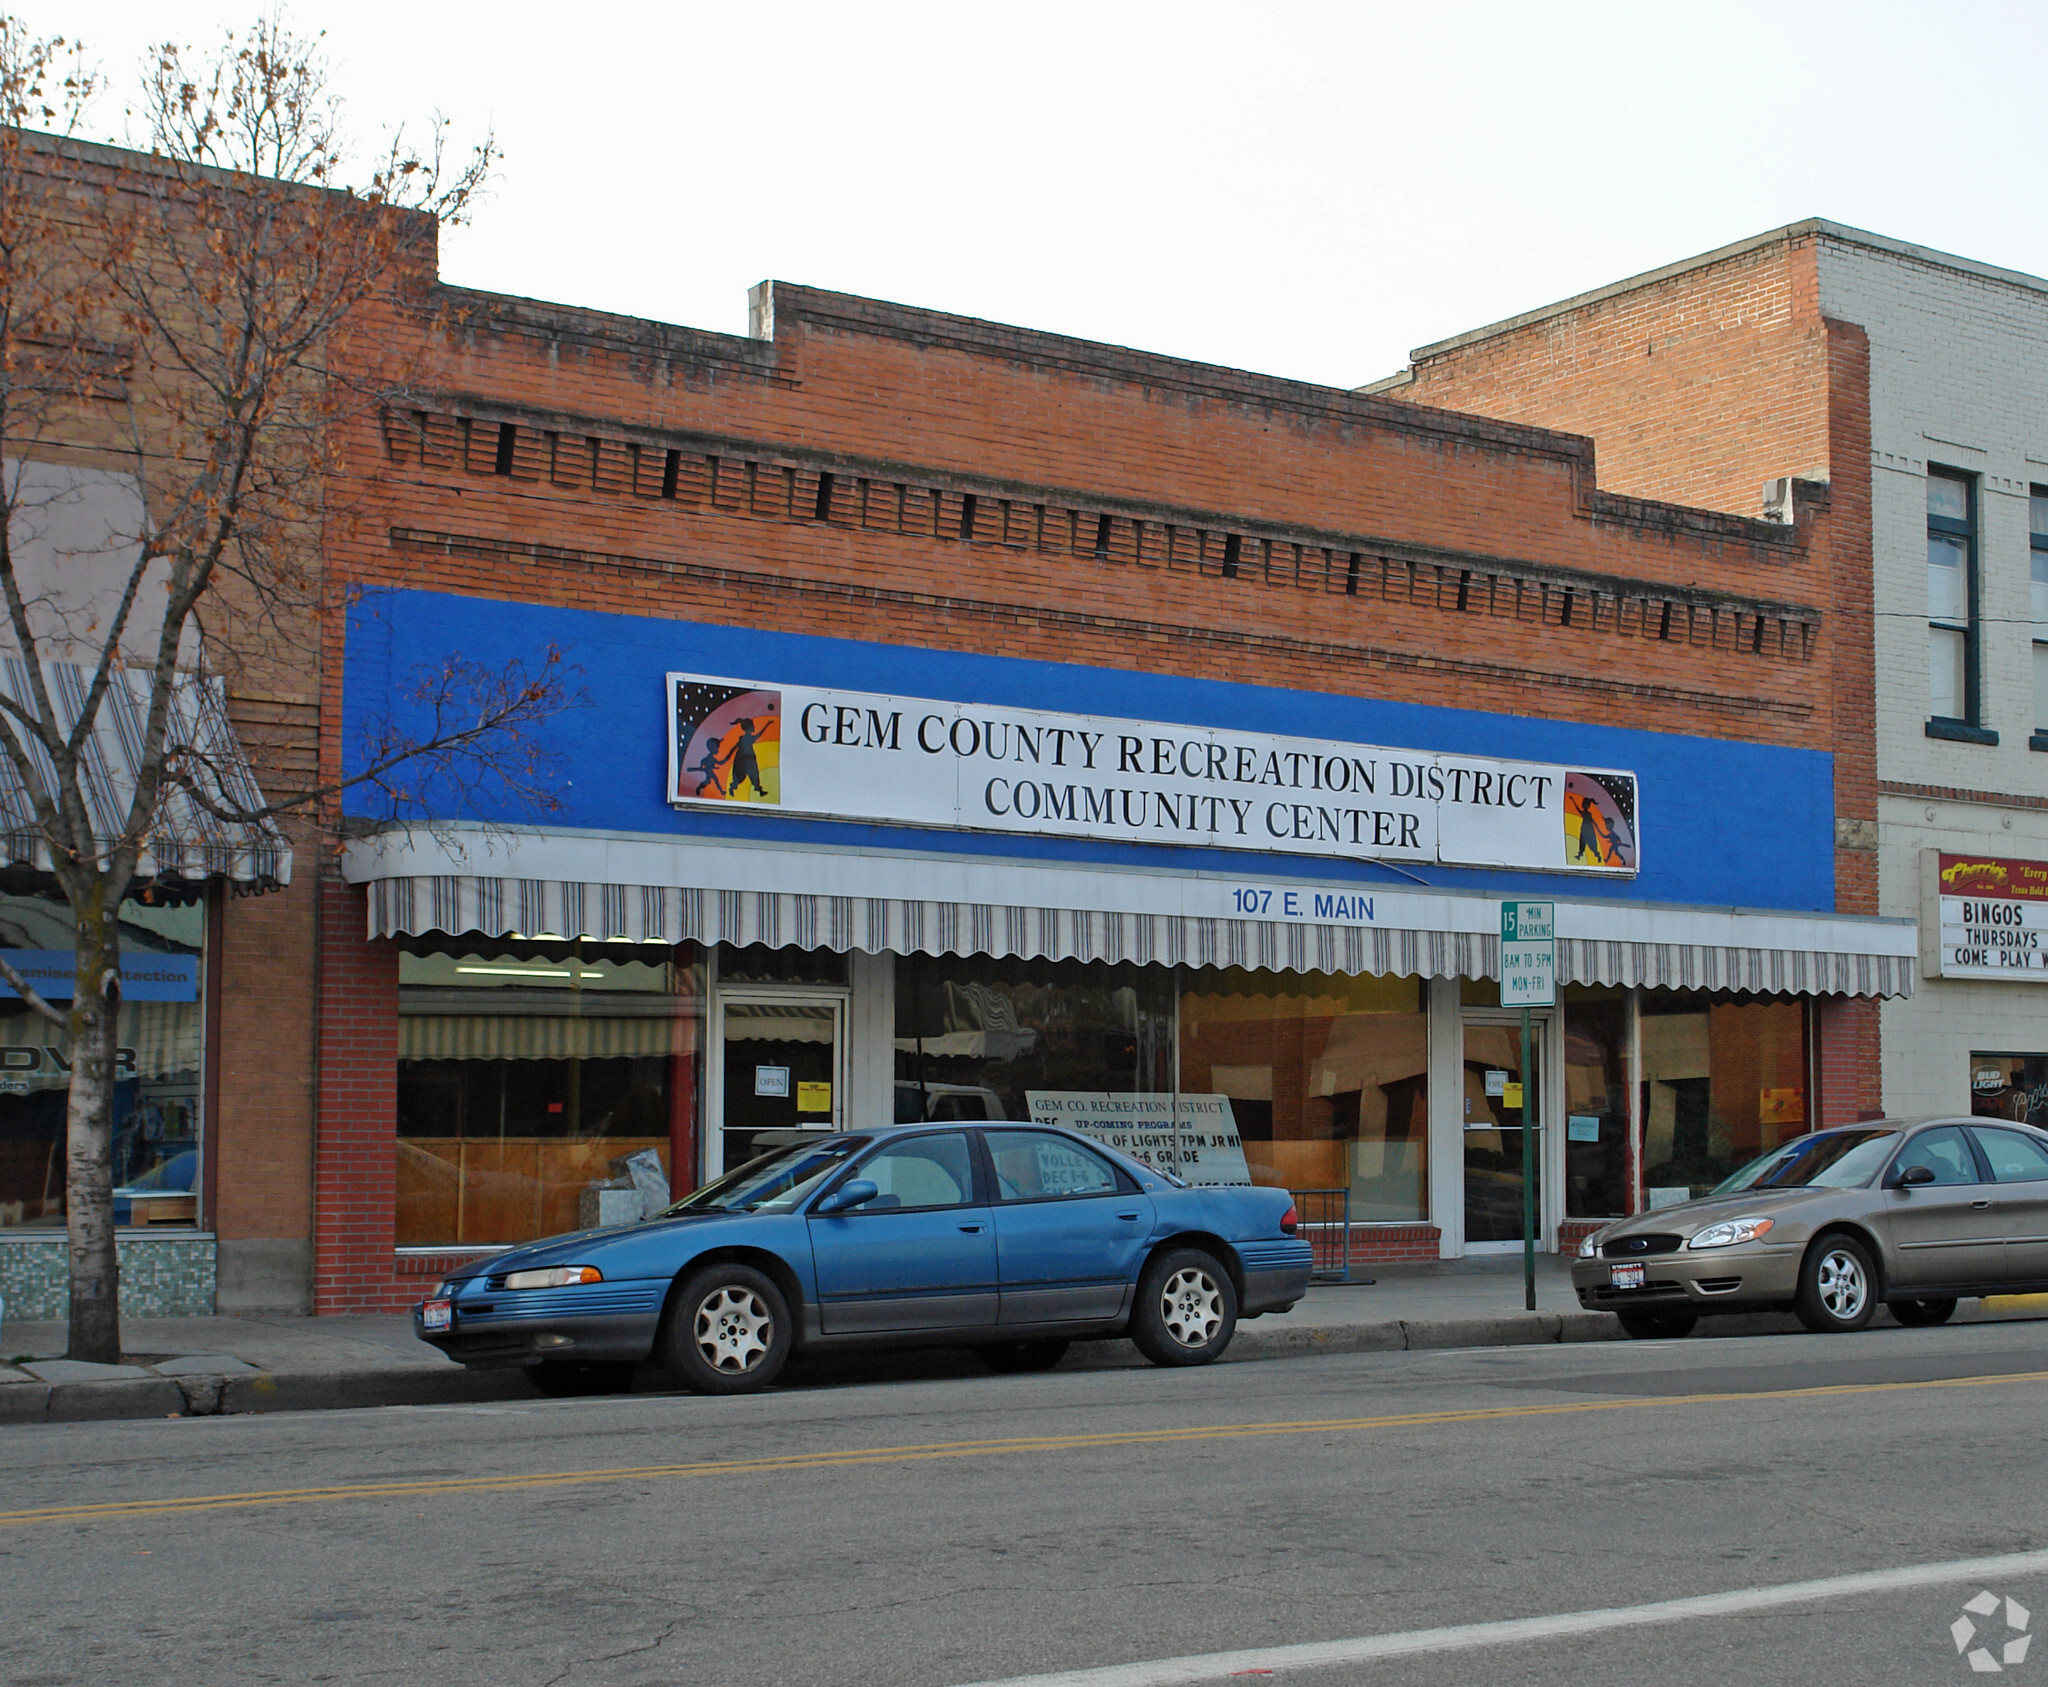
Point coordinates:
[(497, 711), (29, 994)]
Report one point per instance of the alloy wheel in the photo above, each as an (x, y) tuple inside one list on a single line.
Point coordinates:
[(733, 1329), (1191, 1307), (1841, 1284)]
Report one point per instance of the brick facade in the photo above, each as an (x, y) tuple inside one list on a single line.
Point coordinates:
[(1706, 381), (876, 472)]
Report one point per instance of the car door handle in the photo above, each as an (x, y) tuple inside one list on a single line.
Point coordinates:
[(1979, 1206), (1133, 1217), (971, 1229)]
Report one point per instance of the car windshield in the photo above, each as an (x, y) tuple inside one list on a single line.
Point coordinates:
[(1832, 1160), (775, 1182)]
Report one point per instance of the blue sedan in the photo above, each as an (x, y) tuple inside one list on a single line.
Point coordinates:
[(1012, 1239)]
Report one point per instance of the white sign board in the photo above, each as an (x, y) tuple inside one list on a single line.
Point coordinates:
[(1528, 954), (1991, 918), (1203, 1149), (918, 762)]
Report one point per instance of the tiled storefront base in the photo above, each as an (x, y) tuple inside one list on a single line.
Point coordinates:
[(161, 1276)]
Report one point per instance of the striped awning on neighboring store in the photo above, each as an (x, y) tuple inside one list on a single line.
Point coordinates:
[(184, 838), (1441, 935)]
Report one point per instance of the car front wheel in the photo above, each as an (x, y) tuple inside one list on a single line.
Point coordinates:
[(1917, 1312), (1837, 1286), (729, 1330), (1657, 1326), (1187, 1309)]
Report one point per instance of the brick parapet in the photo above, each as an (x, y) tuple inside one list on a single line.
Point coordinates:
[(1698, 383)]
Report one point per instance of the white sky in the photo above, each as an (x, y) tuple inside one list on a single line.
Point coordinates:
[(1306, 190)]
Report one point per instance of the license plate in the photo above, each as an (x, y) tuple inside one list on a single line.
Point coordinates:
[(1627, 1276), (439, 1315)]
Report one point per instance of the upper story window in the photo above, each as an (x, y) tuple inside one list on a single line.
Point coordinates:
[(2038, 608), (1952, 700)]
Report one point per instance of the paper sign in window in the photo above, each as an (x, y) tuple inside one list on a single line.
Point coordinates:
[(771, 1080), (813, 1098)]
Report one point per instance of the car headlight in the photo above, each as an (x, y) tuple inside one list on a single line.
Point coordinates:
[(443, 1289), (1590, 1247), (1730, 1231), (553, 1277)]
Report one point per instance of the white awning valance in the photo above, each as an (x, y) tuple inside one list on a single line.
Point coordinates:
[(669, 890)]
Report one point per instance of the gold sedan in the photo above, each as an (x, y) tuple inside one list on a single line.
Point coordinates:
[(1910, 1214)]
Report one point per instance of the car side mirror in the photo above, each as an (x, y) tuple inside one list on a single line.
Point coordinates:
[(1907, 1176), (849, 1195)]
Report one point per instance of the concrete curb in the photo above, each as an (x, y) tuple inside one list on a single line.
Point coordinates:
[(445, 1384), (1399, 1335)]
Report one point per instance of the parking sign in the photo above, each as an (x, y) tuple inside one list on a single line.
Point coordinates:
[(1528, 954)]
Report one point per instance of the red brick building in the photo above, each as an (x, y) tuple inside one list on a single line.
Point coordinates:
[(977, 723), (1908, 380)]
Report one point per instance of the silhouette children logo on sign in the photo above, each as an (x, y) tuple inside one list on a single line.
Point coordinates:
[(729, 742), (1599, 820)]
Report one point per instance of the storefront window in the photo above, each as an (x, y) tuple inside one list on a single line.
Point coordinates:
[(159, 1037), (1724, 1080), (1326, 1077), (528, 1073), (977, 1037), (1595, 1102), (2010, 1086)]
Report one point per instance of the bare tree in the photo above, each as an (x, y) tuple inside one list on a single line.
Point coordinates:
[(211, 314)]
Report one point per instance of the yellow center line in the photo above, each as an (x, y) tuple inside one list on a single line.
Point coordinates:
[(1023, 1444)]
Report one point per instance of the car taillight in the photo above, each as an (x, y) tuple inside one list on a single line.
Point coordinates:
[(1288, 1220)]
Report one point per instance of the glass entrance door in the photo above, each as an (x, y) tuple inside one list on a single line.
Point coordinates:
[(1499, 1098), (783, 1067)]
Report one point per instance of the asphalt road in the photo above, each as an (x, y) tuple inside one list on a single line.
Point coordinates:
[(931, 1526)]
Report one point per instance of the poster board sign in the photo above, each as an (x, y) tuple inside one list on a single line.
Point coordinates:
[(1204, 1149)]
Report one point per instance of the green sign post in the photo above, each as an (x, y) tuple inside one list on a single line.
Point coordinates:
[(1528, 979)]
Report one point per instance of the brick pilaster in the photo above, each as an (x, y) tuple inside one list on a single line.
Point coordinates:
[(355, 1177)]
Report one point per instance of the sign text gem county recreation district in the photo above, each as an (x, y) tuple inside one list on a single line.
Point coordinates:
[(916, 762)]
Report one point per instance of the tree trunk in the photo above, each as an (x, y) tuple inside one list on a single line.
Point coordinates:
[(89, 1182)]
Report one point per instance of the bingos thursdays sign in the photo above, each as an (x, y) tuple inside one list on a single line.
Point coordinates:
[(918, 762)]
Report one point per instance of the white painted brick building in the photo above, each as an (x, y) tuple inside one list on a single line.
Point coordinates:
[(1958, 383)]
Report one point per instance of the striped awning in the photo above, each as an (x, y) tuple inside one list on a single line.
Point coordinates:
[(183, 838), (532, 1036), (1879, 959)]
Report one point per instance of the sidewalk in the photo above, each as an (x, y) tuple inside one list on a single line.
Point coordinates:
[(205, 1366)]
